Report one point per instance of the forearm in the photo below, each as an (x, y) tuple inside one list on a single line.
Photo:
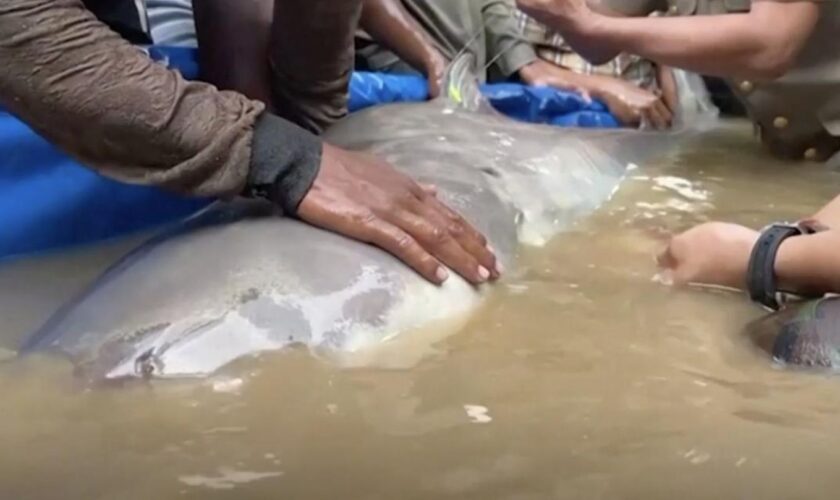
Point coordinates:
[(311, 57), (810, 264), (684, 42), (596, 51), (829, 215), (392, 26), (668, 87), (543, 73), (731, 45), (229, 60)]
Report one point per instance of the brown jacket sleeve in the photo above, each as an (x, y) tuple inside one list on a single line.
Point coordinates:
[(107, 104)]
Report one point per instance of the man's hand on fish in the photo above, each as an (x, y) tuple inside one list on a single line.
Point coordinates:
[(631, 104), (435, 70), (388, 22), (545, 74), (365, 198)]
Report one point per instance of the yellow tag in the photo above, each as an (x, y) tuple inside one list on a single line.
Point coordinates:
[(455, 93)]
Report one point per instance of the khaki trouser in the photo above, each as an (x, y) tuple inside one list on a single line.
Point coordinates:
[(294, 55)]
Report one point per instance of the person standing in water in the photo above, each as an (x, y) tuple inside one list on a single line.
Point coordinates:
[(780, 57), (99, 98)]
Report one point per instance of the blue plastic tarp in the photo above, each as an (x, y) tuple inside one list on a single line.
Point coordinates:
[(547, 105), (49, 201), (530, 104), (369, 89)]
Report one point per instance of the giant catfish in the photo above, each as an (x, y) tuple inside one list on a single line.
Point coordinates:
[(239, 280)]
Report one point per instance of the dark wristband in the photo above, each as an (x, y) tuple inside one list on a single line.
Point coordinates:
[(761, 272), (285, 159)]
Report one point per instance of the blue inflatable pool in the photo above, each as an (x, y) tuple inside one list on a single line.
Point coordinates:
[(48, 201)]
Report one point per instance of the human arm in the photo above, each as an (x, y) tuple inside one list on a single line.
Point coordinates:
[(810, 264), (229, 60), (761, 44), (106, 103), (829, 215), (596, 51), (718, 254), (668, 87), (390, 24), (630, 104)]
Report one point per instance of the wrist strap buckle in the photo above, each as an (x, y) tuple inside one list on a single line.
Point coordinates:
[(761, 273)]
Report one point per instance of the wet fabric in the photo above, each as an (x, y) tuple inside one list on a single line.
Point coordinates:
[(529, 104), (98, 98)]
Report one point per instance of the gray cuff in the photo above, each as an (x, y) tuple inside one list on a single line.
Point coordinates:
[(285, 160), (516, 58)]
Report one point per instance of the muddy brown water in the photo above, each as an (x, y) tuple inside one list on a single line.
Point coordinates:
[(582, 378)]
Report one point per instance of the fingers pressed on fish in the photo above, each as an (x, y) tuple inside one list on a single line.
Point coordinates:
[(365, 198), (664, 113), (429, 189), (405, 247), (435, 237), (655, 117), (665, 259), (472, 243), (464, 224)]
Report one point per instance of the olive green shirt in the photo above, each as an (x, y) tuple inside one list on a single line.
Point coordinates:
[(485, 28), (797, 115)]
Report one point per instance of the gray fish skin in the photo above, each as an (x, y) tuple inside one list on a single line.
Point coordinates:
[(802, 334), (238, 280)]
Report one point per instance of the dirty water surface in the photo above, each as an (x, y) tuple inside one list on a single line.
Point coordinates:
[(581, 378)]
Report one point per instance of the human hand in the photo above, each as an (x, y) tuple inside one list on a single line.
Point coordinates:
[(714, 253), (436, 74), (541, 73), (631, 104), (668, 84), (559, 14), (365, 198)]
